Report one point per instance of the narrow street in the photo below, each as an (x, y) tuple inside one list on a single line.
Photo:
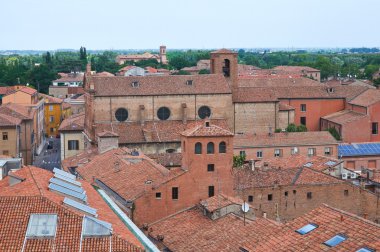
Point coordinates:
[(49, 157)]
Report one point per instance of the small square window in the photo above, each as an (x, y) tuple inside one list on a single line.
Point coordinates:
[(5, 136), (311, 151), (242, 153), (286, 194), (328, 151), (210, 167), (259, 154), (278, 153), (336, 240), (250, 198), (294, 151), (270, 197), (309, 195), (303, 107), (189, 82), (345, 192), (158, 195), (294, 191)]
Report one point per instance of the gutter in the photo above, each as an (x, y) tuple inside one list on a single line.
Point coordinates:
[(148, 244)]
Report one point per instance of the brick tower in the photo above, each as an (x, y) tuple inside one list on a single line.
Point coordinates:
[(225, 62), (163, 59)]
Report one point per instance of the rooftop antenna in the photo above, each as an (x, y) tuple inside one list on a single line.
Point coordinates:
[(245, 209)]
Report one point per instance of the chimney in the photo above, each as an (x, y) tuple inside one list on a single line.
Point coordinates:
[(252, 164), (107, 141), (117, 166), (207, 122), (184, 113), (142, 115), (264, 215)]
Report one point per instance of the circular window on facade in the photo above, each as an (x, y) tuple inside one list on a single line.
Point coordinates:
[(163, 113), (204, 112), (121, 114)]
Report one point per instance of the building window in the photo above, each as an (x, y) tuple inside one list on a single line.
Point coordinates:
[(50, 107), (311, 152), (375, 128), (303, 120), (270, 197), (210, 167), (204, 112), (163, 113), (278, 152), (286, 194), (303, 107), (5, 152), (121, 114), (222, 147), (309, 195), (51, 119), (158, 195), (211, 191), (242, 153), (189, 82), (294, 151), (175, 193), (250, 198), (259, 153), (345, 192), (5, 136), (294, 191), (328, 151), (198, 148), (51, 130), (73, 144), (210, 148)]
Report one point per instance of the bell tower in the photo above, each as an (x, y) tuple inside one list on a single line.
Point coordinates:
[(225, 62), (163, 59)]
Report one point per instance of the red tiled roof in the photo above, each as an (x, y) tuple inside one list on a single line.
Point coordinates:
[(273, 93), (107, 134), (35, 186), (126, 174), (152, 131), (160, 85), (73, 123), (18, 111), (345, 116), (70, 78), (202, 130), (79, 159), (151, 69), (285, 107), (167, 159), (220, 201), (104, 73), (296, 69), (51, 99), (319, 163), (6, 120), (192, 231), (367, 98), (66, 105), (284, 139)]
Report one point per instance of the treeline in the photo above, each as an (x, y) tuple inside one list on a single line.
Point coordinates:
[(40, 70)]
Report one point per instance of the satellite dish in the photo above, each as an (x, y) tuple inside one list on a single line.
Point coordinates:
[(245, 207)]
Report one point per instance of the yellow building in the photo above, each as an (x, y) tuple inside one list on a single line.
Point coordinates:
[(53, 114), (66, 110)]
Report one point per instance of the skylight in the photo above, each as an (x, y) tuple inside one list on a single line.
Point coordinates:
[(79, 206), (74, 182), (95, 227), (365, 250), (330, 163), (66, 185), (336, 240), (307, 229), (309, 164), (63, 173), (42, 225)]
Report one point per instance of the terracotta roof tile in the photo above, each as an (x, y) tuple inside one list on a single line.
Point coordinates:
[(18, 111), (220, 201), (6, 120), (167, 159), (204, 130), (160, 85), (284, 139), (296, 69), (345, 116), (70, 78), (34, 194), (51, 99), (73, 123), (367, 98)]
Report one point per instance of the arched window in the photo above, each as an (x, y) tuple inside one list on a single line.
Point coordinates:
[(204, 112), (210, 148), (121, 114), (198, 148), (222, 147), (163, 113)]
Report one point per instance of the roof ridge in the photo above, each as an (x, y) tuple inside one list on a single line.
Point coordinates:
[(174, 214), (35, 181), (297, 175)]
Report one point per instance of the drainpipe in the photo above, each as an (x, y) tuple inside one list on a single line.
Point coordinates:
[(148, 245)]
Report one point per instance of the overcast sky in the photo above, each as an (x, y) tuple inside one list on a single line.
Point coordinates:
[(139, 24)]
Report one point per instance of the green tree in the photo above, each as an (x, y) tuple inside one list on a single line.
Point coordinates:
[(179, 62), (204, 71), (238, 161), (181, 72), (291, 128), (334, 133)]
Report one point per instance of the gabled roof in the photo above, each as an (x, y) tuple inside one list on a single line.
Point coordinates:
[(33, 196), (367, 98), (18, 111), (206, 129), (160, 85), (73, 123), (125, 172), (6, 120), (220, 201), (51, 99), (284, 139), (296, 69), (345, 116)]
